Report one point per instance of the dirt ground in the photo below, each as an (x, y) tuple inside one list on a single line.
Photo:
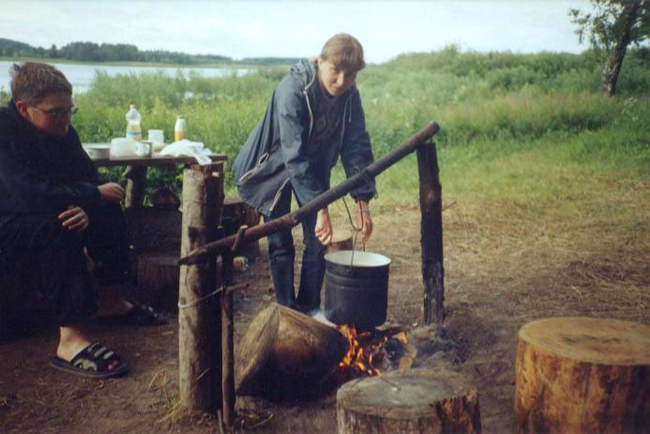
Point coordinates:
[(500, 274)]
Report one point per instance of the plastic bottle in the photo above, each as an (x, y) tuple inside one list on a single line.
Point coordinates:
[(180, 129), (133, 129)]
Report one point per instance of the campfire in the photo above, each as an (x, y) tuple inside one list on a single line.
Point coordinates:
[(285, 353), (371, 352)]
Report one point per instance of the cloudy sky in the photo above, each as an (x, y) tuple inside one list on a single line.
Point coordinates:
[(293, 28)]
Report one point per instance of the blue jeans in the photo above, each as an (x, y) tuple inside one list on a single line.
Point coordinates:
[(282, 255)]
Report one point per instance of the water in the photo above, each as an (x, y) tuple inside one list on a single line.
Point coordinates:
[(81, 75)]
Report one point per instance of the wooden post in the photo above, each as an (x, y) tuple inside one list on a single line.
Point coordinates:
[(198, 316), (417, 401), (227, 346), (582, 375), (135, 186), (433, 272)]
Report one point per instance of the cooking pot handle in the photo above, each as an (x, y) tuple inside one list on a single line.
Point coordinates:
[(349, 270)]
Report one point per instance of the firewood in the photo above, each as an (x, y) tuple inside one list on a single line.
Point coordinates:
[(583, 375), (414, 401), (285, 352)]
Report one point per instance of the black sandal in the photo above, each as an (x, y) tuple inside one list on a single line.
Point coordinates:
[(92, 362)]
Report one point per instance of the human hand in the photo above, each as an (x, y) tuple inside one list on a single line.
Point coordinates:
[(364, 221), (324, 231), (111, 192), (74, 219)]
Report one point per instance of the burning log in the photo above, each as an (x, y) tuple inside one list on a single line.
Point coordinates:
[(582, 375), (373, 353), (285, 353), (409, 402)]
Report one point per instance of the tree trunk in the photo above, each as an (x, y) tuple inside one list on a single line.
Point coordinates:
[(286, 353), (582, 375), (433, 272), (198, 316), (615, 61), (409, 402)]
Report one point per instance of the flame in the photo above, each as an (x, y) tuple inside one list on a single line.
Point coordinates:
[(362, 349)]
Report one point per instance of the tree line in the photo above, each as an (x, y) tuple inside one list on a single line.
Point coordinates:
[(92, 52)]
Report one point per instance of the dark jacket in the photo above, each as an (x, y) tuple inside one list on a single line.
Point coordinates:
[(277, 153), (41, 173)]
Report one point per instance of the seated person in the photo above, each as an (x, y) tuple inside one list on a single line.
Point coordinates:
[(53, 209)]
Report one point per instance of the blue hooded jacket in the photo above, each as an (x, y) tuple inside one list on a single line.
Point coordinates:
[(278, 153)]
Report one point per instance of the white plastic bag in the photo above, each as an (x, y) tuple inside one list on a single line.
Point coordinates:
[(189, 149)]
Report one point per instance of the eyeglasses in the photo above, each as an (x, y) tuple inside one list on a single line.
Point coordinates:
[(58, 113)]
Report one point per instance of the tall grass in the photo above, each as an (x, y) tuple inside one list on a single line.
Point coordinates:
[(491, 107)]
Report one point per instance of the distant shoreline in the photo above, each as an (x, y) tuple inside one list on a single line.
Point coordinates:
[(223, 65)]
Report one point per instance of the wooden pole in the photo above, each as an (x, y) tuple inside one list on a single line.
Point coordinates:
[(582, 375), (433, 272), (227, 347), (135, 186), (290, 220), (199, 324)]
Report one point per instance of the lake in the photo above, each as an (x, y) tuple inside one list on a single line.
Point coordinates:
[(81, 75)]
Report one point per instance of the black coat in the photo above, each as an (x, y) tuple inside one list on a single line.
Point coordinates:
[(41, 173)]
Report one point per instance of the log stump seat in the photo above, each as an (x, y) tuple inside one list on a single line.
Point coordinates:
[(582, 375), (414, 401)]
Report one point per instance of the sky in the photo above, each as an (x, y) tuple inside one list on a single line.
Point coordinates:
[(293, 28)]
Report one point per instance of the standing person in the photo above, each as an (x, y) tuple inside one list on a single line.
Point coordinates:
[(52, 207), (315, 116)]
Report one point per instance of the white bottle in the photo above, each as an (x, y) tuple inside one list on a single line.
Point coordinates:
[(133, 129), (180, 129)]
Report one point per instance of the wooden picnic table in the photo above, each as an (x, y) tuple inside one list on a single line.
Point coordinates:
[(136, 171)]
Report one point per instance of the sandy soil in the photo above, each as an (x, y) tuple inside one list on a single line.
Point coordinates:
[(498, 277)]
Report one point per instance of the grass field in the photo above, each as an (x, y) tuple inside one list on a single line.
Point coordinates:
[(516, 129)]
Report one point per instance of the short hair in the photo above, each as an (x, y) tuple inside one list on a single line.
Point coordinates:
[(33, 81), (344, 51)]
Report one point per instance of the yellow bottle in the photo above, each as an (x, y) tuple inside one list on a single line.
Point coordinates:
[(180, 129)]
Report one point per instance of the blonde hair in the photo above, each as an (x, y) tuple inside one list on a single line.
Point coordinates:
[(32, 81), (344, 51)]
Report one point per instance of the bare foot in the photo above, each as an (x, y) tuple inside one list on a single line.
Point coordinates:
[(74, 340)]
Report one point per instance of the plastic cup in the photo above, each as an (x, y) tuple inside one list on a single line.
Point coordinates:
[(157, 139)]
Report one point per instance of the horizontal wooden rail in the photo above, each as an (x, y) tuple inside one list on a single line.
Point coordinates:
[(212, 250)]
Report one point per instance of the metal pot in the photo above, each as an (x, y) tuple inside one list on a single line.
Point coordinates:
[(356, 289)]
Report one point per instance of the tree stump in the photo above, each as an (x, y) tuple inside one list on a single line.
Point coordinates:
[(583, 375), (409, 402), (286, 353), (158, 274)]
